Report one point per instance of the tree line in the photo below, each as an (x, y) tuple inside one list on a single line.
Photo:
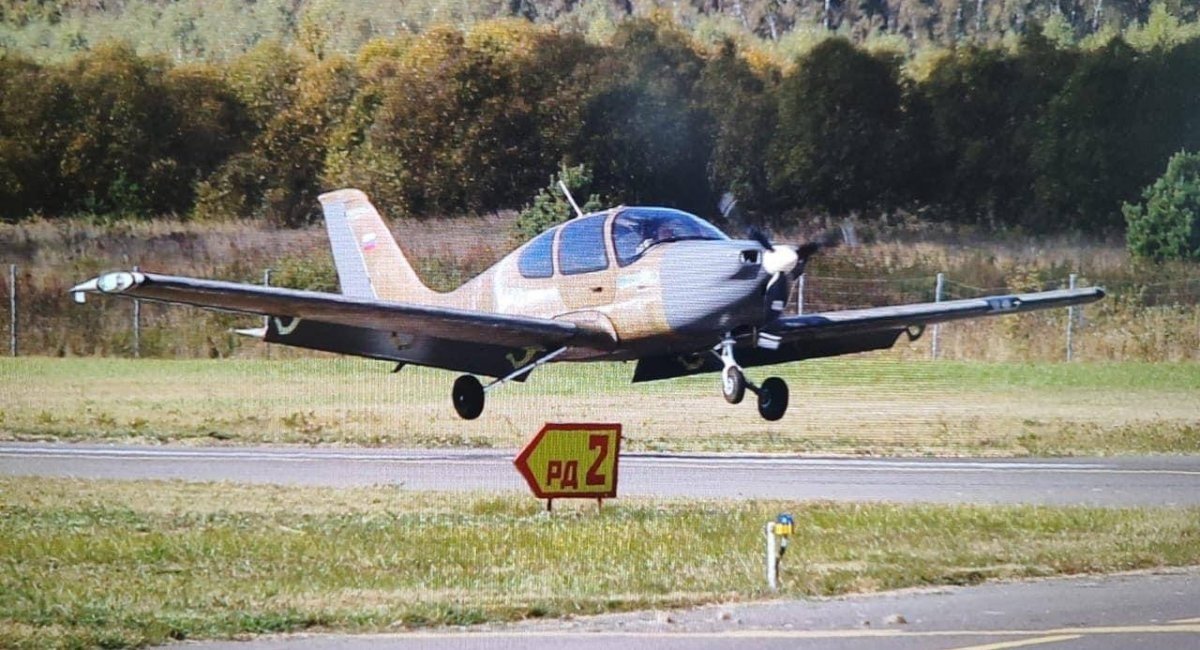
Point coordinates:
[(208, 30), (1040, 135)]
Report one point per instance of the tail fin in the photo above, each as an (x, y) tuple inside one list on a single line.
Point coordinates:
[(369, 262)]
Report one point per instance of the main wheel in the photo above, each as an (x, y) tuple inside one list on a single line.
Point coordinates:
[(467, 397), (773, 398), (733, 384)]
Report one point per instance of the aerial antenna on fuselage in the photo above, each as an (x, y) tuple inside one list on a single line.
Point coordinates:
[(570, 199)]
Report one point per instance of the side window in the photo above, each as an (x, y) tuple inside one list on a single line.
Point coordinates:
[(627, 239), (536, 260), (581, 248)]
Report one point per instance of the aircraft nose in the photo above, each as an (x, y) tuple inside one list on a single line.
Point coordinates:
[(711, 285)]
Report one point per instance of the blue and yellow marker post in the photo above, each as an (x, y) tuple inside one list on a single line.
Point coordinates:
[(777, 531)]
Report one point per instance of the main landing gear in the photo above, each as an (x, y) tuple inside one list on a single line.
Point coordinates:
[(772, 394), (468, 394)]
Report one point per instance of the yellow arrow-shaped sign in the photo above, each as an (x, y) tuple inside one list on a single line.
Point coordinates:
[(572, 460)]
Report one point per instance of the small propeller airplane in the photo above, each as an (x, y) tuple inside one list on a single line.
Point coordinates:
[(655, 285)]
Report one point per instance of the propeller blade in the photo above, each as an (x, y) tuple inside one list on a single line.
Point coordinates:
[(760, 236), (728, 205)]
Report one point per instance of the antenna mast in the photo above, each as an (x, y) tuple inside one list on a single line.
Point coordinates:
[(570, 199)]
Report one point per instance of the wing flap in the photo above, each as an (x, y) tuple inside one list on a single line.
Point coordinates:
[(446, 323), (850, 321), (405, 347)]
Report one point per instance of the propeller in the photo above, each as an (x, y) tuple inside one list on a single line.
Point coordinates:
[(788, 260), (784, 261)]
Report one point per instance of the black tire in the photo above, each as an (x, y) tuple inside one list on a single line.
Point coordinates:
[(773, 399), (733, 385), (467, 396)]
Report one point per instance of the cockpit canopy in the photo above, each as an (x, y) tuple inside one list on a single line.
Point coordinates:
[(636, 230), (581, 247)]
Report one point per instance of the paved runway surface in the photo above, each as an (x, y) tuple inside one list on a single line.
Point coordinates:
[(1126, 481), (1110, 613)]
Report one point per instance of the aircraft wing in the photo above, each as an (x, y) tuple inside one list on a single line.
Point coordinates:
[(836, 324), (834, 333), (450, 324)]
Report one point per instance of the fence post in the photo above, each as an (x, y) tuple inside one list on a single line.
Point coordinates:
[(137, 325), (12, 310), (800, 294), (937, 297), (1071, 322), (267, 319)]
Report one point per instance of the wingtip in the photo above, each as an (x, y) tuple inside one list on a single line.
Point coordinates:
[(252, 332), (85, 286)]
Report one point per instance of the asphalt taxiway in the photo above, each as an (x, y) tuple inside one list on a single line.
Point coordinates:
[(1108, 482), (1145, 610)]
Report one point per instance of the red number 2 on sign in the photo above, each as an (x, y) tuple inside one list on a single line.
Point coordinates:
[(594, 477)]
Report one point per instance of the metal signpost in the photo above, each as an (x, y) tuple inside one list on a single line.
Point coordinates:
[(777, 533), (565, 461)]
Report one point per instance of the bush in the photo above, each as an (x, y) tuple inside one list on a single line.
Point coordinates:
[(550, 207), (1166, 225)]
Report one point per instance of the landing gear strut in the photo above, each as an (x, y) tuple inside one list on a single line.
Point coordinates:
[(467, 394), (733, 381), (772, 395)]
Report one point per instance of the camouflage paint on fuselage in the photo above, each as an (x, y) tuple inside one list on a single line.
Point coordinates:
[(673, 292)]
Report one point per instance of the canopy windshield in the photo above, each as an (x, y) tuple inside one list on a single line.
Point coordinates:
[(636, 230)]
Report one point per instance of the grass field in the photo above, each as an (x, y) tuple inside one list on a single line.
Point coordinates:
[(850, 405), (118, 564)]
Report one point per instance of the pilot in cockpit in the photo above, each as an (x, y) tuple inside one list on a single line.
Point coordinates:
[(656, 232)]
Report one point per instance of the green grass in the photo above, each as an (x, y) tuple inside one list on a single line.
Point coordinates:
[(860, 405), (118, 564)]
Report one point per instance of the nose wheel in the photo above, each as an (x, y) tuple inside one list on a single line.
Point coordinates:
[(733, 384), (772, 395)]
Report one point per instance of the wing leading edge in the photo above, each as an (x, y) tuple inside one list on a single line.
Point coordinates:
[(446, 323), (834, 333), (852, 321)]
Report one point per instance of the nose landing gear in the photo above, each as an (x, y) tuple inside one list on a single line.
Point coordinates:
[(733, 384), (772, 395), (773, 398)]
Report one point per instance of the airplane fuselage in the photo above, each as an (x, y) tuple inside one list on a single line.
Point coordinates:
[(671, 296)]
